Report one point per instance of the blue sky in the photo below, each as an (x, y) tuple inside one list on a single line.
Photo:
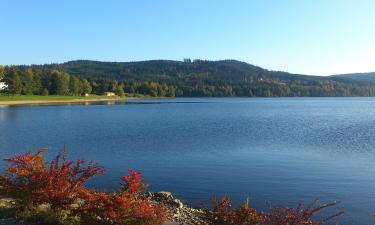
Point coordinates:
[(317, 37)]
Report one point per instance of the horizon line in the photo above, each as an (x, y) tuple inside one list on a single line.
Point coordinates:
[(176, 60)]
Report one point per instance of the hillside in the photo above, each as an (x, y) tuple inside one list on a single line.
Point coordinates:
[(168, 68), (181, 78), (366, 78)]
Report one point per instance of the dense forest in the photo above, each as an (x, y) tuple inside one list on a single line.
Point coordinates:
[(174, 78)]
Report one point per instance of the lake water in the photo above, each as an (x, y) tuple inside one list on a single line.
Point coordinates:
[(277, 150)]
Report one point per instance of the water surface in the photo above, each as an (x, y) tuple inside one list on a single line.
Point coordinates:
[(279, 150)]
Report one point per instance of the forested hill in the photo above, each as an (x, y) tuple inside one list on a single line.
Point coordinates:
[(365, 78), (176, 78), (227, 69)]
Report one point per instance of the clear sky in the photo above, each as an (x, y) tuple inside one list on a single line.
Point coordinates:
[(317, 37)]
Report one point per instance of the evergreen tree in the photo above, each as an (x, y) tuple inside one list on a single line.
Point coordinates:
[(1, 73), (28, 83), (37, 84), (120, 90), (15, 86), (86, 86), (114, 86)]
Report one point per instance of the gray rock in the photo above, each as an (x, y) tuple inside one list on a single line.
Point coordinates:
[(181, 214), (178, 203)]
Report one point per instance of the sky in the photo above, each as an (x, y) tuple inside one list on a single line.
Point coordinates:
[(316, 37)]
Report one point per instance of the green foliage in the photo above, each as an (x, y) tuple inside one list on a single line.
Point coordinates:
[(15, 85), (60, 83), (86, 87), (174, 78), (1, 73), (28, 83), (44, 92), (120, 90), (365, 78), (75, 86)]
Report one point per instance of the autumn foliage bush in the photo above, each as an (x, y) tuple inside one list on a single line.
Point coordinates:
[(224, 213), (126, 206), (55, 193)]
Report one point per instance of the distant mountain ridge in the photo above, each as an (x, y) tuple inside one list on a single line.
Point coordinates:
[(91, 68), (368, 78), (204, 78), (108, 68), (97, 66)]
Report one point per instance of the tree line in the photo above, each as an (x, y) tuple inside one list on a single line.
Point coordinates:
[(49, 82), (29, 81), (172, 78)]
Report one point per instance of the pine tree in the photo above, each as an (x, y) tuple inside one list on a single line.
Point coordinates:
[(120, 91), (28, 83), (15, 86), (1, 73)]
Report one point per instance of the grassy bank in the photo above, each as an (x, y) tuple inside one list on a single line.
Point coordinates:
[(38, 99)]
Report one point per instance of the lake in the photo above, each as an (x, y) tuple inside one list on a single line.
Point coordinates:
[(276, 150)]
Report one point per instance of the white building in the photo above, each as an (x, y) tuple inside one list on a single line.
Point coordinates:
[(3, 86)]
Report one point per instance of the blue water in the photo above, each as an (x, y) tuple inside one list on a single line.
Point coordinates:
[(277, 150)]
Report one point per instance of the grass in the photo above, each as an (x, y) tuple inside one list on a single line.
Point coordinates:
[(7, 98)]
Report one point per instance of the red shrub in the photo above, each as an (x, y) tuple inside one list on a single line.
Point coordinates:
[(298, 216), (31, 181), (133, 183), (22, 180), (65, 180), (224, 213), (127, 206)]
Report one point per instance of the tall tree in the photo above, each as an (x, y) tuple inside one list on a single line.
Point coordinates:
[(13, 80), (28, 82), (60, 83), (86, 86), (114, 86), (38, 87), (15, 86), (75, 86), (1, 73), (120, 90)]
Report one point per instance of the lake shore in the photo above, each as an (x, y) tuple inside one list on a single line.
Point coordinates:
[(30, 100), (179, 213)]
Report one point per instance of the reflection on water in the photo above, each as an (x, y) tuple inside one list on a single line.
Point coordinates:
[(109, 102), (271, 149), (3, 113)]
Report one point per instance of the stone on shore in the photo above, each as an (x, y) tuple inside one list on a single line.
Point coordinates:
[(181, 214)]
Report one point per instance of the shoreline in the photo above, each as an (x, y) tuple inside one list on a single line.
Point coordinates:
[(73, 100), (179, 213), (42, 101)]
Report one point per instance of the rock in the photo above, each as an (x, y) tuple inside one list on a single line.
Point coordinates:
[(178, 203), (171, 223), (164, 195), (180, 213), (6, 202)]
